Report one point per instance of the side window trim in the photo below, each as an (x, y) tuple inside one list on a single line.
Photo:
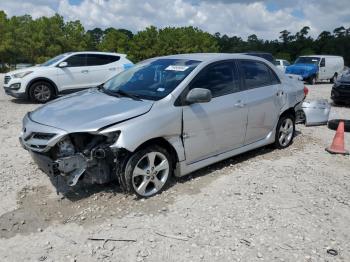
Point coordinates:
[(271, 74), (180, 100), (85, 60), (232, 61)]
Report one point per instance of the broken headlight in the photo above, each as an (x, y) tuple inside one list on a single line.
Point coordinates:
[(112, 137)]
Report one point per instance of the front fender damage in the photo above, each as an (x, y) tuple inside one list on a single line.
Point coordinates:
[(85, 157)]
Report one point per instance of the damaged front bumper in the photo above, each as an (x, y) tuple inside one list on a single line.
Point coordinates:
[(72, 167), (45, 163), (72, 156)]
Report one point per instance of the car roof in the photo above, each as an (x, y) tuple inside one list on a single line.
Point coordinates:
[(207, 57), (319, 56), (96, 52)]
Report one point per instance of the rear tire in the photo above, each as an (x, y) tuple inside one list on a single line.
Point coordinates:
[(41, 92), (148, 171), (334, 78), (285, 131), (312, 80)]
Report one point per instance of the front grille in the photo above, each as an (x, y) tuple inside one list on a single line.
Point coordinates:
[(39, 136), (43, 136), (7, 79), (38, 146)]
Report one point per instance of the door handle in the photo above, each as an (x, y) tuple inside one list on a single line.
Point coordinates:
[(239, 104), (85, 71), (112, 69)]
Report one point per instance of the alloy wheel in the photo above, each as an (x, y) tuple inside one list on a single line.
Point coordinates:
[(42, 93), (150, 174), (285, 134)]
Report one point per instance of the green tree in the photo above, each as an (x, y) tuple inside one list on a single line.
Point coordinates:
[(286, 36), (95, 37), (114, 41), (339, 31)]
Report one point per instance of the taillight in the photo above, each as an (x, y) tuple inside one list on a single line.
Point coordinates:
[(306, 91)]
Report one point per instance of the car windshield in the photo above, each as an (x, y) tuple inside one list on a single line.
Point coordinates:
[(151, 80), (54, 60), (308, 60)]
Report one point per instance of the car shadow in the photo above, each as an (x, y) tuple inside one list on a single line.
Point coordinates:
[(224, 163), (241, 158), (83, 190), (22, 101), (346, 105)]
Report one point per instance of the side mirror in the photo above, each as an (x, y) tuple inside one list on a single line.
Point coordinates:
[(198, 95), (62, 64)]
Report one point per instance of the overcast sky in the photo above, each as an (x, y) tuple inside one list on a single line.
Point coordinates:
[(266, 18)]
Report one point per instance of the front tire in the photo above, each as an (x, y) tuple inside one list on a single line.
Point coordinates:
[(285, 131), (148, 171), (41, 92)]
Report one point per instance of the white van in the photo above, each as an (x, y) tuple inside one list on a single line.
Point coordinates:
[(315, 68), (330, 67)]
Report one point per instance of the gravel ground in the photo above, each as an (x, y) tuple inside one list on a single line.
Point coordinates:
[(265, 205)]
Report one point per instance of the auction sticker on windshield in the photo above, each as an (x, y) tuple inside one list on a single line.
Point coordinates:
[(177, 68)]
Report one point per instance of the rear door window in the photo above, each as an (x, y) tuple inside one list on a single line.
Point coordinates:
[(76, 60), (256, 74), (220, 78), (98, 59)]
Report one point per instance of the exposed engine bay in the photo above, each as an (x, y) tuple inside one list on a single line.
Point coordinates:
[(83, 155)]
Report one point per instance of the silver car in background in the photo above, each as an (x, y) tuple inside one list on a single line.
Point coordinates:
[(165, 116)]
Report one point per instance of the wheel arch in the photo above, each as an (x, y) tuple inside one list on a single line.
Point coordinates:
[(164, 143), (289, 111), (41, 79)]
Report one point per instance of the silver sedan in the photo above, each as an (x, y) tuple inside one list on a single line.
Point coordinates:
[(166, 116)]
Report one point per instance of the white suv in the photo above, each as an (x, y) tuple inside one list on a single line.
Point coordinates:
[(65, 73)]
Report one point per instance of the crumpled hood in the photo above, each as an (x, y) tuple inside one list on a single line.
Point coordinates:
[(300, 68), (88, 110)]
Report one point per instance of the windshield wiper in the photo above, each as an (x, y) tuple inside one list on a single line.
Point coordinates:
[(118, 93), (123, 93)]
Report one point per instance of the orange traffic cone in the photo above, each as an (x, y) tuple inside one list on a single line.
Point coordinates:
[(337, 146)]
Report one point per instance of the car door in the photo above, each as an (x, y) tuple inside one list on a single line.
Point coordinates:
[(264, 97), (219, 125), (75, 75), (322, 72), (102, 67)]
